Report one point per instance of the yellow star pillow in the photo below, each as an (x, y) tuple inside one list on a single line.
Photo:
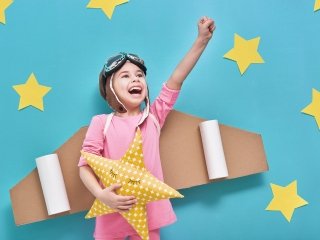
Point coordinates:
[(135, 180)]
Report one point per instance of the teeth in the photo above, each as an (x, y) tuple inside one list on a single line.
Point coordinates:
[(135, 88)]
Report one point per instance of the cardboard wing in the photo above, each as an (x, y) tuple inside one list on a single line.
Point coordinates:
[(182, 160), (182, 154), (27, 199)]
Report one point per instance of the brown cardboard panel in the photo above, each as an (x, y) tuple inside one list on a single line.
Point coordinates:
[(27, 204), (69, 154), (182, 160), (181, 151), (27, 199), (182, 154)]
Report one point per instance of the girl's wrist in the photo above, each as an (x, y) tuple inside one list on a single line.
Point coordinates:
[(202, 41), (98, 192)]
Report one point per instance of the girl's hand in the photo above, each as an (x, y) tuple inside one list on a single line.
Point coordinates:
[(120, 203), (205, 28)]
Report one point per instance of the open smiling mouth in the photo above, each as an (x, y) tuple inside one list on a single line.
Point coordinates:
[(135, 90)]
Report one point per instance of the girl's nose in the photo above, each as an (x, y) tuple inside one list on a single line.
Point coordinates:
[(135, 79)]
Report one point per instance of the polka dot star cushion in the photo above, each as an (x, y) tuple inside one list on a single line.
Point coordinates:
[(135, 180)]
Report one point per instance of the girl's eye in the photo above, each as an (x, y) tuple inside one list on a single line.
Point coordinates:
[(125, 76), (140, 75), (133, 182), (113, 174)]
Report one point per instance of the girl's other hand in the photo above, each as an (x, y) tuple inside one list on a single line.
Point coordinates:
[(206, 28), (120, 203)]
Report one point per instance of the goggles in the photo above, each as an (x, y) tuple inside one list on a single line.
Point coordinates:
[(116, 62)]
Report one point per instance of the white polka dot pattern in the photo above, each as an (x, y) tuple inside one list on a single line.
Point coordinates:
[(135, 180)]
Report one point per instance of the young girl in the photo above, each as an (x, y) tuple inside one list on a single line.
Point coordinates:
[(123, 84)]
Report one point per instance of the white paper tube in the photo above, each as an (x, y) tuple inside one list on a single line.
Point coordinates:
[(54, 190), (213, 149)]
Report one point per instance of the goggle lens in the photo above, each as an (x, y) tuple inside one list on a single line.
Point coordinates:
[(114, 61)]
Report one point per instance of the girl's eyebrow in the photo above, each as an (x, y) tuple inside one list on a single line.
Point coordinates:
[(125, 71)]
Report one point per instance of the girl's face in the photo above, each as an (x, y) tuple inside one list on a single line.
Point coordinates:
[(129, 83)]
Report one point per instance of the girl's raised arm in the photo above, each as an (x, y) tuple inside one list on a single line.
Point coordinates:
[(206, 27)]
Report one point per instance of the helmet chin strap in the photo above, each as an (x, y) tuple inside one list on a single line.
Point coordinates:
[(145, 111), (114, 93)]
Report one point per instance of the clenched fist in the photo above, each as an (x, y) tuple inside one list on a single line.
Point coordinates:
[(206, 27)]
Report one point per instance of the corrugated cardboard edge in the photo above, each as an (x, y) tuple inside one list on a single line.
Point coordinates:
[(181, 156)]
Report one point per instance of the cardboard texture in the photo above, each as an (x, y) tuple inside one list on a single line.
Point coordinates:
[(182, 155), (182, 160)]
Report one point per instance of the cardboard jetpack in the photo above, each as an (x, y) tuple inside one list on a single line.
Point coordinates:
[(182, 159)]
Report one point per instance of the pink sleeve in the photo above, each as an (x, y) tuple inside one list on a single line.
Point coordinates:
[(94, 140), (163, 104)]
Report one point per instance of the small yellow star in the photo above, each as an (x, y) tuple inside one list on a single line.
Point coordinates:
[(107, 6), (31, 93), (316, 5), (4, 4), (244, 52), (313, 108), (285, 199)]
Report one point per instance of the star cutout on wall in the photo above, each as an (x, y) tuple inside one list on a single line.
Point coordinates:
[(4, 4), (31, 93), (135, 180), (285, 199), (107, 6), (313, 108), (316, 5), (244, 52)]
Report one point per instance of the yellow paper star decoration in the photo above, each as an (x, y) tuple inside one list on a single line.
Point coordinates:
[(31, 93), (244, 52), (313, 108), (316, 5), (285, 199), (4, 4), (135, 180), (107, 6)]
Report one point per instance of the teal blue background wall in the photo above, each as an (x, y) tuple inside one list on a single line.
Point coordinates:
[(65, 45)]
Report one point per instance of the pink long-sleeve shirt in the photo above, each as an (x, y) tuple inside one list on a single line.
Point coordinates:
[(118, 137)]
